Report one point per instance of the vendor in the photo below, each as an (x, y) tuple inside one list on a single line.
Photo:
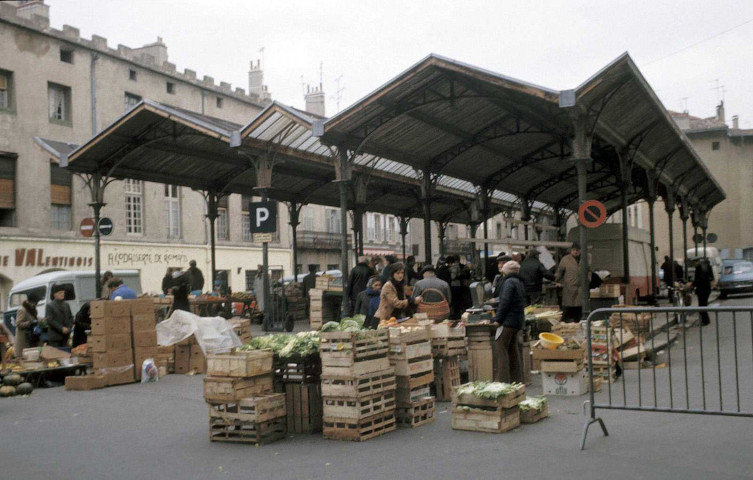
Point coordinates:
[(510, 318), (25, 321), (59, 318), (120, 291), (392, 301)]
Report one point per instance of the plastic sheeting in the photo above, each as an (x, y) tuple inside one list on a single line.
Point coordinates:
[(213, 334)]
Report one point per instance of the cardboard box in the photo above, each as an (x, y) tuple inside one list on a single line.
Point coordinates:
[(85, 382), (564, 383), (198, 361), (113, 359), (143, 322), (111, 325), (182, 359), (51, 353), (109, 343), (142, 306), (107, 308), (145, 338), (119, 376), (141, 354)]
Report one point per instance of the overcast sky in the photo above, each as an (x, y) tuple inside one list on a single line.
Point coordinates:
[(682, 47)]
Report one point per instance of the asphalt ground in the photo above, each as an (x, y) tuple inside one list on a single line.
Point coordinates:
[(159, 431)]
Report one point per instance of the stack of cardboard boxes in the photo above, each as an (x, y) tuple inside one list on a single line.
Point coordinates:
[(144, 329), (111, 341)]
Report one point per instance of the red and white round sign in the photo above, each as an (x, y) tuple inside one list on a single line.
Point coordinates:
[(87, 227)]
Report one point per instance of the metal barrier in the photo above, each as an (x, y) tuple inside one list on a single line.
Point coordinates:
[(708, 375)]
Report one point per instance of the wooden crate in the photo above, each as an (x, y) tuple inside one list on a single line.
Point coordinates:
[(449, 346), (359, 430), (256, 433), (405, 397), (233, 389), (399, 336), (259, 408), (414, 366), (359, 386), (347, 368), (417, 414), (420, 379), (304, 407), (334, 347), (444, 330), (242, 328), (481, 419), (358, 408), (561, 366), (240, 364), (297, 369), (446, 377), (507, 401), (533, 416)]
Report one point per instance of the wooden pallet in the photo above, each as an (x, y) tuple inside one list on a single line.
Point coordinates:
[(533, 416), (417, 414), (446, 377), (257, 433), (485, 419), (240, 364), (358, 408), (506, 402), (233, 389), (303, 403), (359, 430), (359, 386)]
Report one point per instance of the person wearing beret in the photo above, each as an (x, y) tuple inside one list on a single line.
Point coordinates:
[(59, 318)]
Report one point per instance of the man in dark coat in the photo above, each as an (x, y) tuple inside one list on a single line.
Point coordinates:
[(196, 278), (59, 318), (510, 317), (533, 273), (357, 281), (181, 288)]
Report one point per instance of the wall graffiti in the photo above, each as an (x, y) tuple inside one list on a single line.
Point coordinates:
[(146, 258)]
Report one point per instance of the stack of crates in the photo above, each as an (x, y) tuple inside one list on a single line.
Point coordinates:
[(144, 328), (604, 351), (475, 414), (358, 385), (449, 348), (242, 407), (410, 355), (299, 378), (482, 356)]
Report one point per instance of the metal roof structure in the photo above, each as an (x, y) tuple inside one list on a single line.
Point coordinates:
[(448, 118), (159, 143)]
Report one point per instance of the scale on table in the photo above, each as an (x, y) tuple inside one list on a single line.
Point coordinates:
[(479, 311)]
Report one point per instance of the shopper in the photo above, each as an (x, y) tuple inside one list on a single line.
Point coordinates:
[(364, 301), (497, 283), (181, 288), (410, 271), (357, 281), (259, 286), (59, 318), (119, 290), (704, 277), (510, 317), (436, 294), (81, 324), (533, 273), (26, 318), (104, 282), (392, 301), (196, 278), (568, 274), (167, 282)]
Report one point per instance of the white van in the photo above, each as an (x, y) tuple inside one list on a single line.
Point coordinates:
[(712, 253), (80, 287)]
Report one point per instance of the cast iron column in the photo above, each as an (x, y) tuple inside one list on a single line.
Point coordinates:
[(403, 231), (97, 192), (294, 211), (669, 206), (212, 216), (651, 199), (344, 177), (684, 215), (581, 165), (625, 238), (442, 228), (426, 191)]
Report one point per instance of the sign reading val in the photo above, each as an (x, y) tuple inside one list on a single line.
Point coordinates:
[(263, 217)]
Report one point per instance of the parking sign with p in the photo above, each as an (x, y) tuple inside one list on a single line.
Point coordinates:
[(263, 220)]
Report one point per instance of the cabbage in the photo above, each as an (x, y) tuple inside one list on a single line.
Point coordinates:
[(488, 390), (331, 327)]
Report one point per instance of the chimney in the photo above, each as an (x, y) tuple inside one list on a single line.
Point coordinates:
[(28, 9), (256, 79), (735, 122), (720, 112), (315, 100), (158, 50)]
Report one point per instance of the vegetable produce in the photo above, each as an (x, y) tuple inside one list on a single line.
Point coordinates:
[(12, 380), (284, 345), (488, 390), (351, 324), (533, 403), (24, 389), (7, 391)]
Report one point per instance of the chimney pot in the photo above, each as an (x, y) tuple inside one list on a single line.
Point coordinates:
[(735, 122)]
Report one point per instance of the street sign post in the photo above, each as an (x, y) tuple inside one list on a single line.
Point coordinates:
[(263, 220), (87, 227), (592, 213), (105, 226)]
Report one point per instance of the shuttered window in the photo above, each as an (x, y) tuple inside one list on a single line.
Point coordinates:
[(7, 189), (61, 182), (5, 90), (223, 230)]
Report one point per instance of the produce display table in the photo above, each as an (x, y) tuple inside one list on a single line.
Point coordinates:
[(38, 376)]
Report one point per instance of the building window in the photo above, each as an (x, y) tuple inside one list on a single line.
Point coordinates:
[(61, 181), (221, 225), (131, 101), (7, 190), (333, 221), (59, 98), (245, 219), (172, 211), (66, 55), (308, 219), (714, 145), (132, 75), (250, 277), (370, 228), (6, 98), (452, 232), (219, 102), (134, 206), (333, 266), (378, 230), (170, 87)]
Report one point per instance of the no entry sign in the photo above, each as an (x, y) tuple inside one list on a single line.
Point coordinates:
[(87, 227), (592, 213)]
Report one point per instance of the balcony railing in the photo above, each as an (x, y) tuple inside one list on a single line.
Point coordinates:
[(458, 245), (324, 240)]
